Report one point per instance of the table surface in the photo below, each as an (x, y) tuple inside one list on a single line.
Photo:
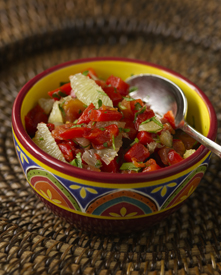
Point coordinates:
[(184, 36)]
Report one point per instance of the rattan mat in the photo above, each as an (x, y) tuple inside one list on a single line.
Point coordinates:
[(34, 35)]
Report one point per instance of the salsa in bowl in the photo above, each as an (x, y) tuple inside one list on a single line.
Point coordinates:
[(120, 161)]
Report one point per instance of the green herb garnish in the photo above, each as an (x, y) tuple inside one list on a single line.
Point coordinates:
[(129, 166), (76, 126), (121, 106), (102, 93), (132, 89), (77, 162), (41, 138), (125, 130), (113, 142), (135, 141), (60, 106), (99, 103), (128, 98), (140, 112), (63, 83), (105, 144), (137, 106), (98, 164), (85, 73), (61, 94), (55, 95)]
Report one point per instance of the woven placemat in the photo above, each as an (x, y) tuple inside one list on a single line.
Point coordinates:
[(184, 36)]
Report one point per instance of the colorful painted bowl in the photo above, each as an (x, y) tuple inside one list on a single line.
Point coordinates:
[(104, 202)]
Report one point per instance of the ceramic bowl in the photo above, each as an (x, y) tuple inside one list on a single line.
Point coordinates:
[(104, 202)]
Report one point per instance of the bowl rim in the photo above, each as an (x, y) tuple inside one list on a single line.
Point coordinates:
[(72, 171)]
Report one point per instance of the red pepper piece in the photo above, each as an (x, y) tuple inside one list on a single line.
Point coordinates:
[(118, 83), (113, 94), (105, 115), (84, 118), (151, 166), (66, 150), (169, 116), (74, 132), (93, 134), (34, 116), (102, 138), (174, 157), (138, 152), (62, 91), (145, 137)]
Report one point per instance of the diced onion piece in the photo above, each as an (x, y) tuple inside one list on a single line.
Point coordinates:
[(85, 143), (88, 91), (56, 114), (166, 138), (188, 153), (46, 104), (44, 140), (152, 146), (107, 154), (151, 127)]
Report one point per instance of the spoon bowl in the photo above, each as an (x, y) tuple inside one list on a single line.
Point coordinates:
[(163, 95)]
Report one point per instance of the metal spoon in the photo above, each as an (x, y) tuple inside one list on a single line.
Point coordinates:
[(164, 95)]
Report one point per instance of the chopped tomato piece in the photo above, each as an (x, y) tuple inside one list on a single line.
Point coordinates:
[(169, 156), (174, 157), (178, 146), (84, 118), (145, 137), (101, 83), (187, 140), (34, 116), (113, 94), (112, 167), (51, 126), (130, 125), (125, 108), (118, 83), (151, 165), (138, 152), (147, 114), (169, 116), (62, 91), (90, 72), (74, 132), (163, 153), (136, 105), (105, 115), (73, 108)]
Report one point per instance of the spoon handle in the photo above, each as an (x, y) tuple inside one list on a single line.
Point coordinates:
[(208, 143)]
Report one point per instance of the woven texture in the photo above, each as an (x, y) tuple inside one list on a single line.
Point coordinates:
[(184, 36)]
